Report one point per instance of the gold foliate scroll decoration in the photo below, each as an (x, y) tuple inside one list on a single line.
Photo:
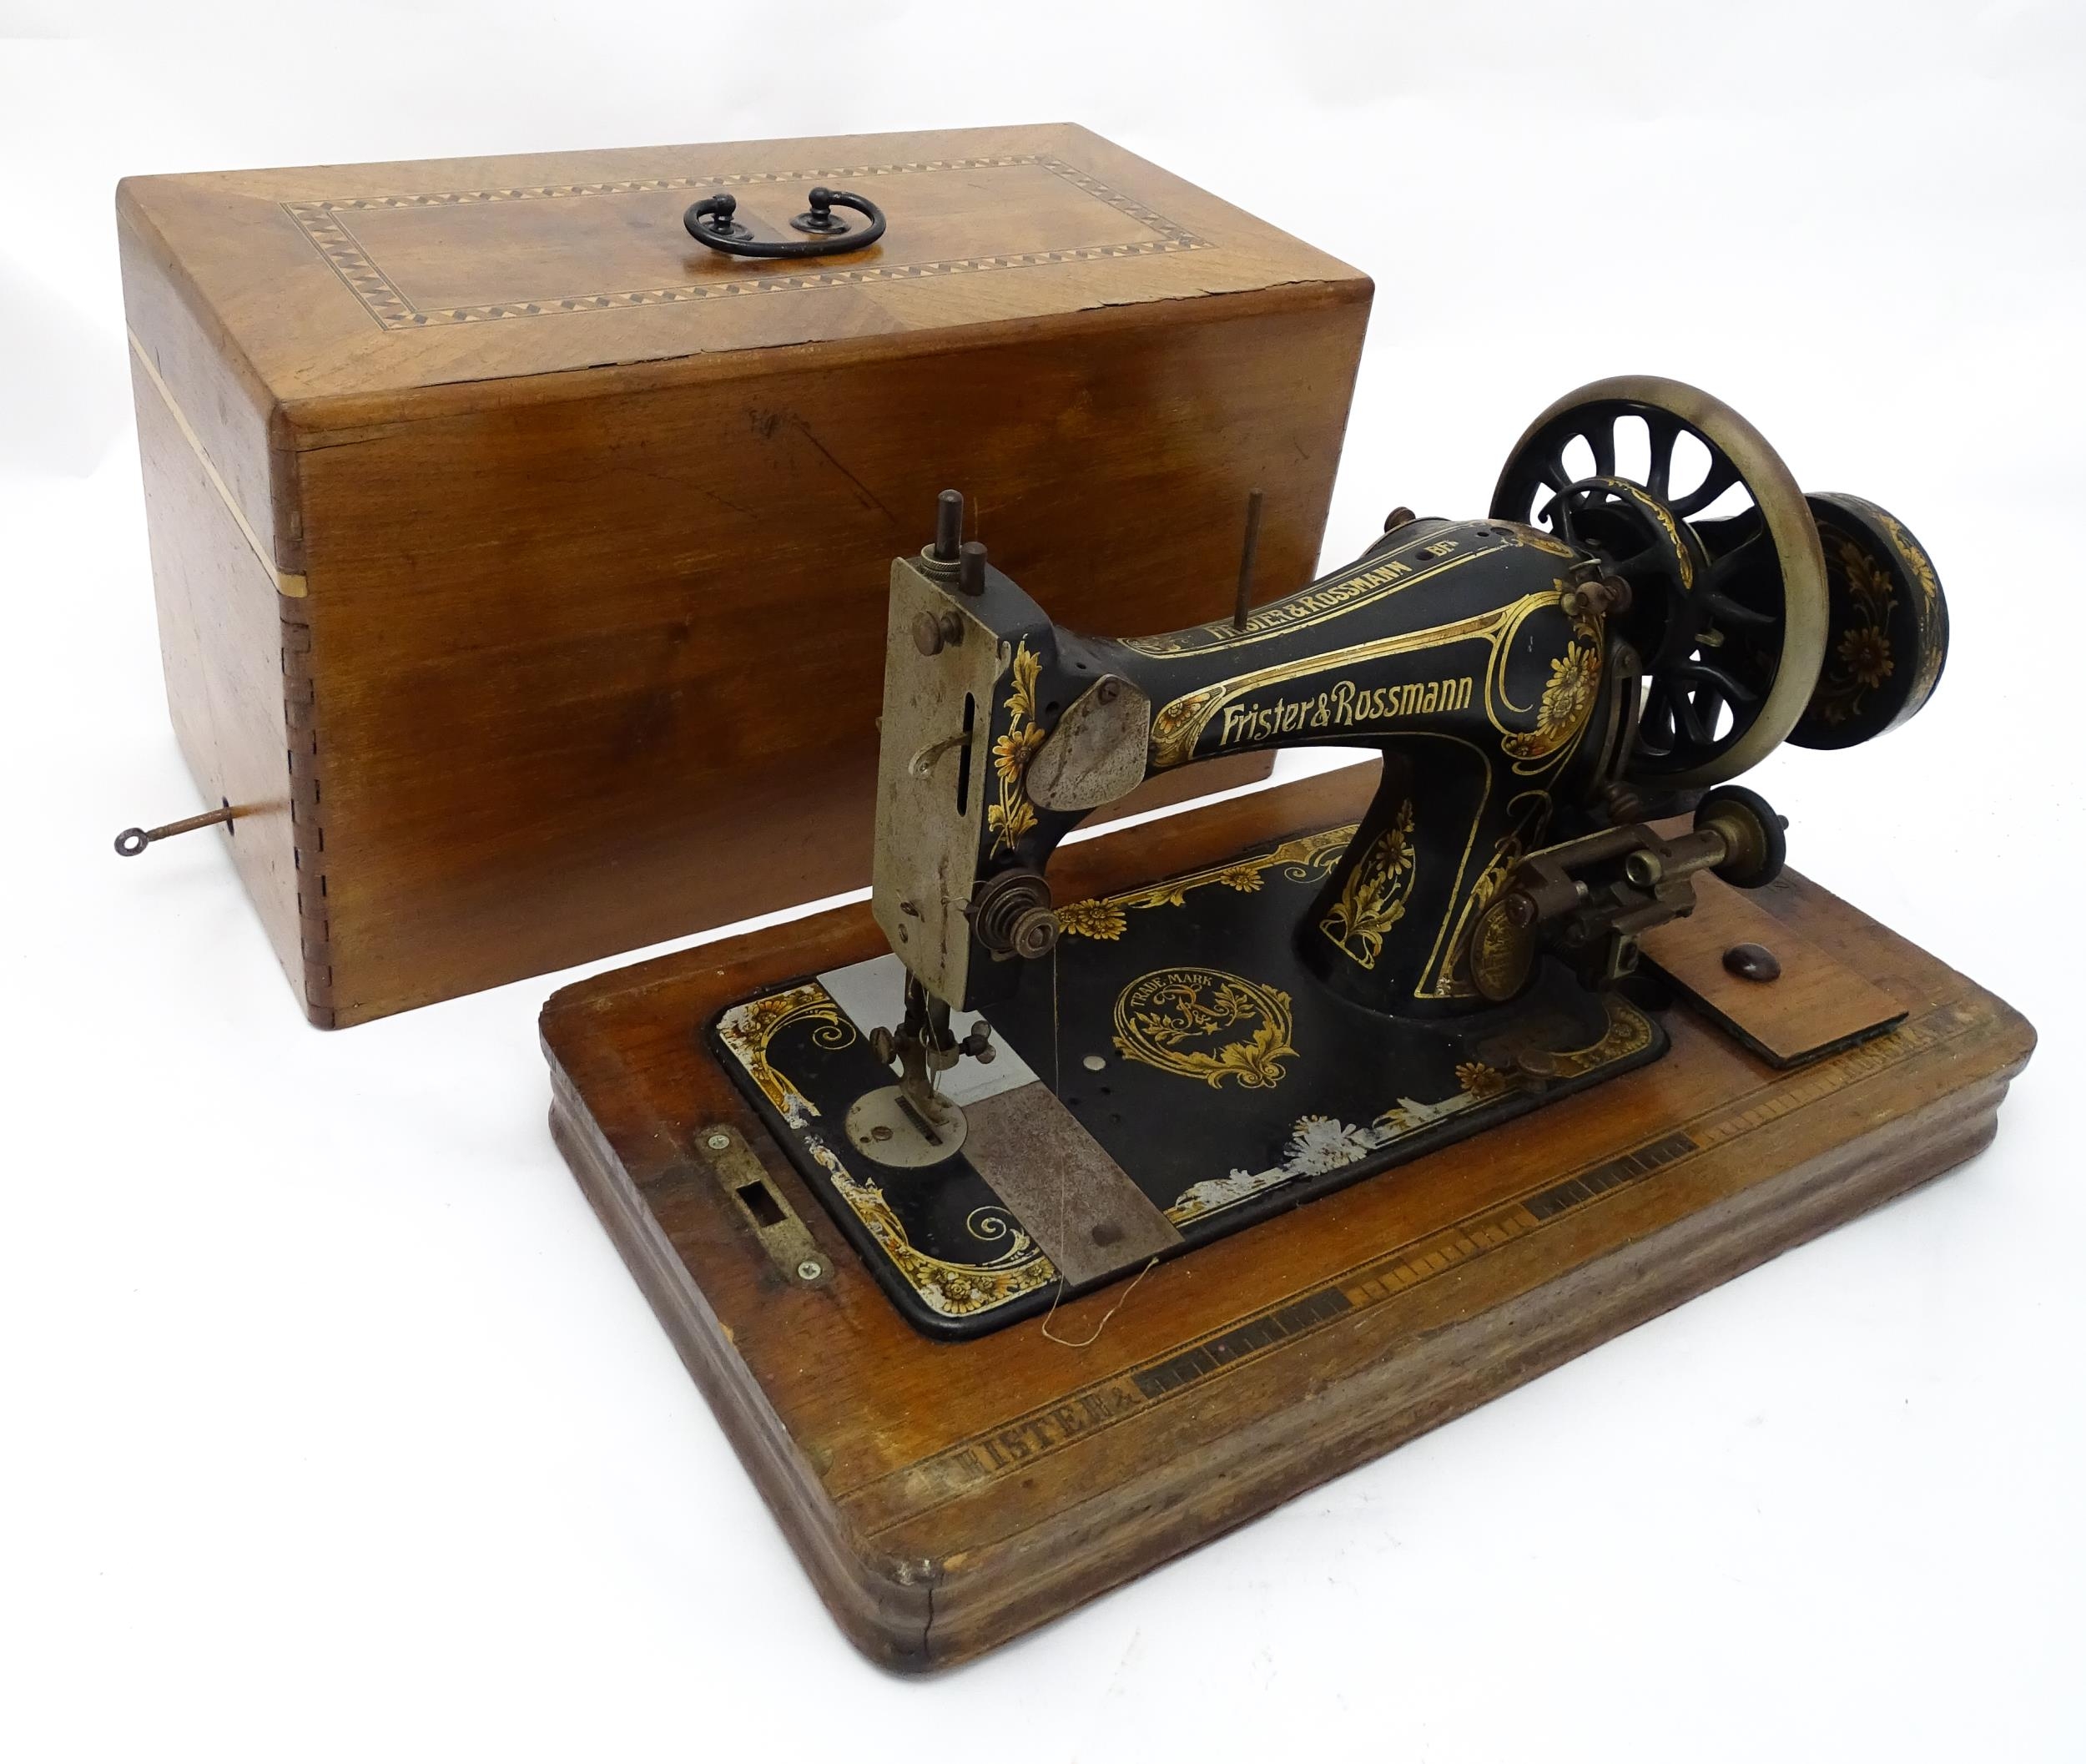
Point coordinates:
[(1014, 815), (1204, 1023), (1861, 660), (1373, 897), (748, 1028)]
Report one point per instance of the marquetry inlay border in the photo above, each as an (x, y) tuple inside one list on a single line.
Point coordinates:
[(1013, 1447), (329, 226)]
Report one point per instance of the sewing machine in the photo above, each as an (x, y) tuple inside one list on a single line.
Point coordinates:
[(1147, 1091), (1033, 1095)]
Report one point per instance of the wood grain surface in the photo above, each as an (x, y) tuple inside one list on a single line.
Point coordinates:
[(945, 1498), (1814, 1003), (339, 282), (588, 529), (224, 630)]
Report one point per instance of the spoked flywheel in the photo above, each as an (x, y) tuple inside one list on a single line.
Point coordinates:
[(1683, 500)]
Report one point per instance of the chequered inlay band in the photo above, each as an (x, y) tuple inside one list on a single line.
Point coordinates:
[(328, 225)]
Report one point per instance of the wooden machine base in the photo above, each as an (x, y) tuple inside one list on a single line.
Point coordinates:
[(947, 1497)]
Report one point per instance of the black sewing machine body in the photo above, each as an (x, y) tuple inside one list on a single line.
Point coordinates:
[(1446, 647), (1169, 1064)]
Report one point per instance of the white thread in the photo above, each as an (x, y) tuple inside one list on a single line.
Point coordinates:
[(1103, 1323)]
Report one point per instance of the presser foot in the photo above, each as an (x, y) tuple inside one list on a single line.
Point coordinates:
[(904, 1130)]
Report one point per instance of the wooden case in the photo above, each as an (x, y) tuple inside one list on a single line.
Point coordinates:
[(522, 563)]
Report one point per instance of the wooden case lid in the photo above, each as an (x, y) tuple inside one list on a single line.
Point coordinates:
[(362, 281)]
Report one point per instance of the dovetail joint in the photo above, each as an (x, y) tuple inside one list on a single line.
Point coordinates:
[(308, 839)]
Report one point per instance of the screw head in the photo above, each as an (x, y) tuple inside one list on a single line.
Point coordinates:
[(809, 1268)]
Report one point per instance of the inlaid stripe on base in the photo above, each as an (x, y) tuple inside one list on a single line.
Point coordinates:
[(904, 1494)]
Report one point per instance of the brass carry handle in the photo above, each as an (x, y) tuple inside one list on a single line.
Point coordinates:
[(132, 841)]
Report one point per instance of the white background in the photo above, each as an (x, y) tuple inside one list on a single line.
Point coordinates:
[(331, 1423)]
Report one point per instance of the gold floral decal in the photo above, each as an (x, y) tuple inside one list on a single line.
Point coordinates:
[(1014, 814), (1574, 677), (1373, 898), (1102, 919), (1562, 714), (1916, 558), (953, 1289), (1485, 1083), (1177, 1020), (1933, 649), (1318, 1144), (748, 1028), (1862, 659), (1567, 701), (1866, 652), (1305, 859)]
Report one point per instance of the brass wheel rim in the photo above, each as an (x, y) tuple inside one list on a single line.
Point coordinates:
[(1791, 531)]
